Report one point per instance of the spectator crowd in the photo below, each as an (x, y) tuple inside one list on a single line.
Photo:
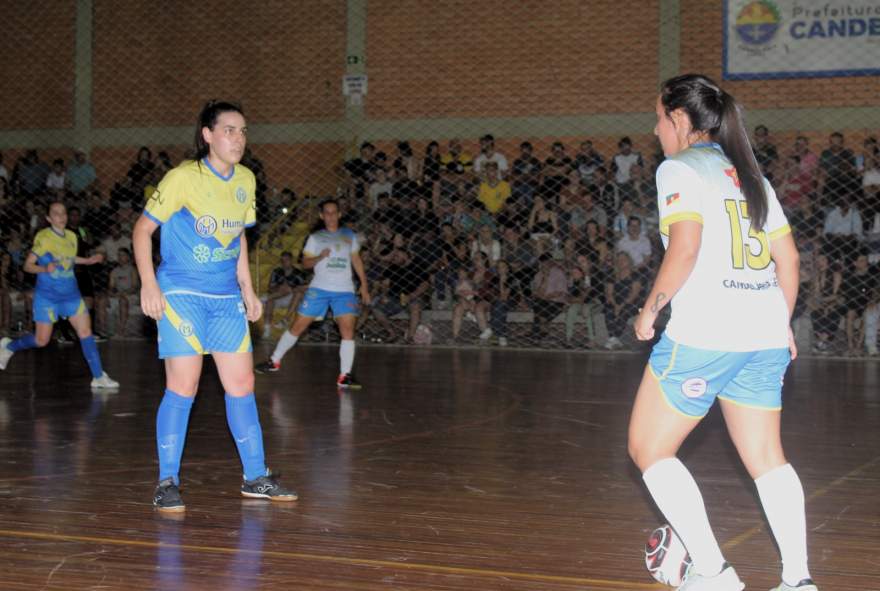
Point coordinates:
[(552, 249)]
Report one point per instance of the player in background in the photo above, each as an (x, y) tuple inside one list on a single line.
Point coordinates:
[(332, 252), (731, 272), (202, 297), (52, 260)]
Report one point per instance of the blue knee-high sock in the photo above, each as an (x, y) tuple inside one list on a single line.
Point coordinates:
[(28, 341), (171, 422), (241, 415), (93, 358)]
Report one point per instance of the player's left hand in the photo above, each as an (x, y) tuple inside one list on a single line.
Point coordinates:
[(96, 259), (644, 325), (365, 296), (792, 346), (252, 305)]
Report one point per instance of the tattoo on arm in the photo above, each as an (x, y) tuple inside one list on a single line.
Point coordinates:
[(657, 301)]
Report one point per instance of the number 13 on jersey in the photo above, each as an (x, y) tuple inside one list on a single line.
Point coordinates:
[(743, 254)]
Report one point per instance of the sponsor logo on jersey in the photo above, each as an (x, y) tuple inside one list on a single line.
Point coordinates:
[(240, 195), (670, 199), (231, 226), (206, 226), (694, 387)]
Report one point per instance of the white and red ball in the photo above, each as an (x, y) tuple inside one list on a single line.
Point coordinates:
[(666, 557)]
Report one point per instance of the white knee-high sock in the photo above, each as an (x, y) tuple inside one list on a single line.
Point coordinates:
[(676, 494), (346, 356), (782, 497), (285, 343)]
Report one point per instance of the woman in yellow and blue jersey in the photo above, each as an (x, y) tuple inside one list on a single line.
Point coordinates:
[(52, 260), (202, 296), (730, 272)]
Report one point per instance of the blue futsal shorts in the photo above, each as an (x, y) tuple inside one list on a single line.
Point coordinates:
[(49, 310), (691, 378), (200, 324), (316, 301)]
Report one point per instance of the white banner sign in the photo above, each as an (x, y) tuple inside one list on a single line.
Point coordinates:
[(801, 38)]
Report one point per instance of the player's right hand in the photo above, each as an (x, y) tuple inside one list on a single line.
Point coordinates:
[(152, 301), (325, 253), (50, 267)]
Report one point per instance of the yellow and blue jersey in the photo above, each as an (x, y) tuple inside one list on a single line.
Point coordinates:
[(202, 215), (52, 247)]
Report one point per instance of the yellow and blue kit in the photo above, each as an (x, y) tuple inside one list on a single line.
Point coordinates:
[(202, 215), (56, 295)]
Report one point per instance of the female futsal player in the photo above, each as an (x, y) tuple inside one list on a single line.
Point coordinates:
[(52, 259), (332, 252), (202, 297), (731, 273)]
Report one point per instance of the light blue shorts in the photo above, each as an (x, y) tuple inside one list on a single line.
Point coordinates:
[(691, 378), (199, 325), (316, 302), (49, 310)]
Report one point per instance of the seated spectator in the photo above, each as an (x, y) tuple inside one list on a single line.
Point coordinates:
[(406, 286), (287, 286), (793, 186), (6, 281), (361, 171), (119, 238), (489, 154), (806, 218), (56, 181), (431, 165), (463, 219), (871, 181), (837, 165), (543, 225), (139, 172), (29, 175), (521, 261), (765, 152), (471, 299), (549, 294), (525, 175), (635, 244), (406, 173), (493, 192), (81, 175), (455, 163), (423, 219), (604, 193), (379, 186), (555, 172), (499, 296), (844, 219), (123, 289), (859, 283), (808, 161), (486, 244), (584, 297), (621, 220), (825, 303), (871, 321), (595, 245), (623, 292), (621, 166), (586, 161)]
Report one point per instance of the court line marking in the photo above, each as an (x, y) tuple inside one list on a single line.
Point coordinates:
[(748, 534), (416, 566)]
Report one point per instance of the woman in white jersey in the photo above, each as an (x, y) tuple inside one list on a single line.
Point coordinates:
[(731, 273), (332, 252)]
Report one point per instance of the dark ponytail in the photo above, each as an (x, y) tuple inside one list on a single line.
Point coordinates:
[(714, 111), (208, 118)]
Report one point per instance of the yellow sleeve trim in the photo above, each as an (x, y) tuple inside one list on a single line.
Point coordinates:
[(780, 232), (690, 216)]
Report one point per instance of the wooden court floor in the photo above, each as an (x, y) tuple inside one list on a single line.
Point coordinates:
[(452, 469)]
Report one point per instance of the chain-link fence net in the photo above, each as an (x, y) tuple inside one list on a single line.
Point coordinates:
[(496, 159)]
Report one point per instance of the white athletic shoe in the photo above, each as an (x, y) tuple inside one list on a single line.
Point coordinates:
[(726, 580), (805, 585), (104, 382), (486, 334), (502, 341), (5, 353)]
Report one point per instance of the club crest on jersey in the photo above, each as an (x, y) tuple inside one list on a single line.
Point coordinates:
[(206, 226), (185, 328), (670, 199), (241, 195), (694, 387)]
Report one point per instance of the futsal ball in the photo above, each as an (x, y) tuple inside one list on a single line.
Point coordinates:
[(666, 557)]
